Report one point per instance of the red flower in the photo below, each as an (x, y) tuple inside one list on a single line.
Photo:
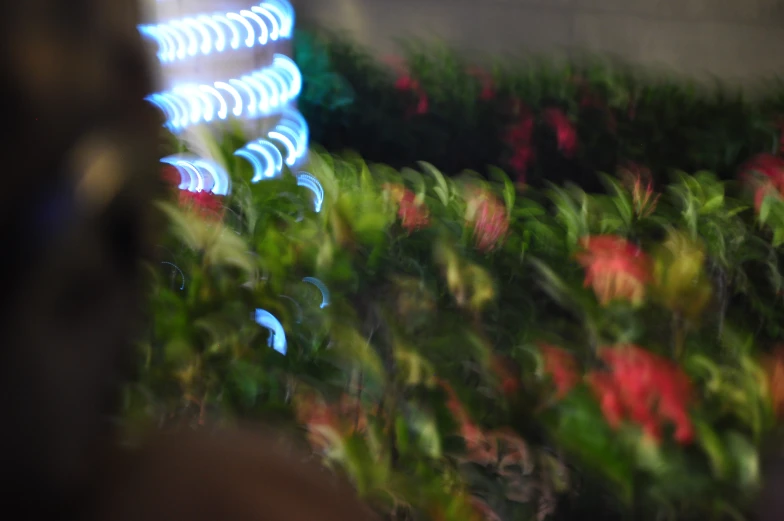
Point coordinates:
[(562, 368), (765, 167), (504, 368), (489, 218), (643, 388), (205, 204), (615, 268), (609, 399), (406, 83), (470, 431), (565, 133), (765, 173), (412, 214), (486, 81)]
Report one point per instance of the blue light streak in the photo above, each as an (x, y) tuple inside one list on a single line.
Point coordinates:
[(266, 158), (200, 175), (322, 288), (261, 93), (308, 181), (277, 337), (206, 34)]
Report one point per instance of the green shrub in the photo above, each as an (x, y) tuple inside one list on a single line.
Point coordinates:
[(482, 352)]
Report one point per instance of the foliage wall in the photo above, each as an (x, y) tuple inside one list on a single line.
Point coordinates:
[(462, 349), (539, 119)]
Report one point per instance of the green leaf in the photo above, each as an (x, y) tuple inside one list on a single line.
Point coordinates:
[(713, 204), (441, 182), (711, 444), (401, 435), (508, 187), (428, 436), (745, 458)]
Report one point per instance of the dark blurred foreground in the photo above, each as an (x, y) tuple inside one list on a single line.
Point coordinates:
[(80, 174)]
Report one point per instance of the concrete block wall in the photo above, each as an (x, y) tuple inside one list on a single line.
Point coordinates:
[(737, 40)]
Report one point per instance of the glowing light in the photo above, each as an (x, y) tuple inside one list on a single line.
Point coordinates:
[(277, 337), (322, 288), (200, 175), (182, 275), (259, 94), (264, 157), (205, 34), (306, 180), (292, 132)]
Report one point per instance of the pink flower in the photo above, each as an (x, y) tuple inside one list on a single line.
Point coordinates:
[(489, 218), (406, 83), (565, 133), (205, 204)]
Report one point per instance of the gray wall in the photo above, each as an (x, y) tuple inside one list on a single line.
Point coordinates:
[(738, 40)]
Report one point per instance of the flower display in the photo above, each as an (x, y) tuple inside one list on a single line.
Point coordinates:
[(615, 268), (409, 309)]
